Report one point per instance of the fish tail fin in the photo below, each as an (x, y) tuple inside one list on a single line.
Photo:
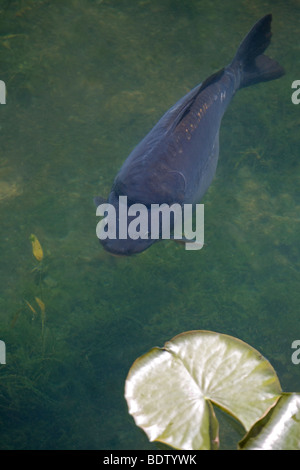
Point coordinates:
[(253, 65)]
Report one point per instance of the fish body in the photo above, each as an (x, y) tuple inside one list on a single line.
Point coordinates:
[(177, 160)]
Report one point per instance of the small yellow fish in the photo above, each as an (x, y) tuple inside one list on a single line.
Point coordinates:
[(36, 248)]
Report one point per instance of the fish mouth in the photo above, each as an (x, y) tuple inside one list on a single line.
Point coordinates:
[(127, 247)]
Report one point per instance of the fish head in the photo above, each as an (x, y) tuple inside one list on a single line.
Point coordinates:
[(119, 247), (121, 241)]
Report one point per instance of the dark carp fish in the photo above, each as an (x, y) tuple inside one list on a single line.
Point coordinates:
[(177, 160)]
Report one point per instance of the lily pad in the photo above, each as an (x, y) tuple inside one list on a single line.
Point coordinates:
[(279, 429), (171, 391)]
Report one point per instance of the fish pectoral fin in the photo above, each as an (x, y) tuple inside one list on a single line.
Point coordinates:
[(184, 241), (181, 241), (179, 182), (99, 200)]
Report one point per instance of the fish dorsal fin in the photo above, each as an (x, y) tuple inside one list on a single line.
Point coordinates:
[(188, 105), (212, 79), (184, 107)]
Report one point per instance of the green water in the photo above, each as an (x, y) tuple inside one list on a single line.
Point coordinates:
[(86, 80)]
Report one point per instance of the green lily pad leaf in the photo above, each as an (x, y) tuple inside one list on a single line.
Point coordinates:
[(279, 429), (171, 391)]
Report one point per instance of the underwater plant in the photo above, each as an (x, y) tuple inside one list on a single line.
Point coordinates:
[(171, 393)]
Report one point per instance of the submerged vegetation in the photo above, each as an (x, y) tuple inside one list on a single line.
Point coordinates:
[(85, 82)]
